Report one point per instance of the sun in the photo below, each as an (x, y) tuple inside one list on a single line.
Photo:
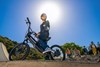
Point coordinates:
[(52, 9)]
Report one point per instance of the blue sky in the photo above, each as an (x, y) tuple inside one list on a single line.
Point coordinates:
[(80, 21)]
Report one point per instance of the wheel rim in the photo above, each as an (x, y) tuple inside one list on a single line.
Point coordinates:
[(19, 52), (56, 55)]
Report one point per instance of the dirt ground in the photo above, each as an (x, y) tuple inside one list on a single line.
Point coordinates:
[(47, 64)]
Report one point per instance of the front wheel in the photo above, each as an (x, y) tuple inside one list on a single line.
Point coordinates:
[(58, 54), (19, 52)]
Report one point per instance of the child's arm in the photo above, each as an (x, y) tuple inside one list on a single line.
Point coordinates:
[(48, 25)]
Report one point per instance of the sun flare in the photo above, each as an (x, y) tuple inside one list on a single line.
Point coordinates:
[(53, 11)]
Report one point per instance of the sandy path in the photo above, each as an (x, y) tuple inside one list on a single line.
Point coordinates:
[(46, 64)]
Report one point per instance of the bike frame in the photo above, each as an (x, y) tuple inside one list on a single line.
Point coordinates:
[(28, 37)]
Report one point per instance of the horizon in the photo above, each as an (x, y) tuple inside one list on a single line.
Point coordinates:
[(79, 21)]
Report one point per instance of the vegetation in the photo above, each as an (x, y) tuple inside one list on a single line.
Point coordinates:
[(72, 46), (8, 43), (34, 54)]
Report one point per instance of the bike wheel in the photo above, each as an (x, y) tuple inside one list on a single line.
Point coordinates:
[(19, 52), (59, 53)]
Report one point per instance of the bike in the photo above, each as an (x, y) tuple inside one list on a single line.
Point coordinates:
[(21, 51)]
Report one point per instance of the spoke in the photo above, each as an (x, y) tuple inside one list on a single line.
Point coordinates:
[(59, 57), (19, 52)]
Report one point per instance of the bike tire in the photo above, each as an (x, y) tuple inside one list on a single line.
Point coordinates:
[(25, 55), (61, 50)]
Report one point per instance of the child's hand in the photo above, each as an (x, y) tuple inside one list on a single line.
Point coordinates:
[(37, 34)]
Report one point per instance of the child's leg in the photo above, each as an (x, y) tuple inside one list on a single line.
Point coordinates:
[(43, 44), (42, 40)]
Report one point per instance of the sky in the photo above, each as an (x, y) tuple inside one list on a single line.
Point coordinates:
[(79, 20)]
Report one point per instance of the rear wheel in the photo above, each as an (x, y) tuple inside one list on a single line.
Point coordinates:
[(58, 54), (19, 52)]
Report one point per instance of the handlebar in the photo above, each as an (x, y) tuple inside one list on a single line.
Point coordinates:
[(28, 21), (29, 28)]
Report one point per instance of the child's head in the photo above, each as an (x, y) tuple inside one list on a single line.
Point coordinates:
[(43, 17)]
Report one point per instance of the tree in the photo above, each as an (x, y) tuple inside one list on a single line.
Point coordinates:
[(72, 46), (8, 43)]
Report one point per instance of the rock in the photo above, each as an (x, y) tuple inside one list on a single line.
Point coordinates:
[(4, 56)]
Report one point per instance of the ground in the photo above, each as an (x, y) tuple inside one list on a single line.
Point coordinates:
[(38, 63)]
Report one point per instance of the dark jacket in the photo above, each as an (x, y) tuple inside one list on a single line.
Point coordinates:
[(44, 30)]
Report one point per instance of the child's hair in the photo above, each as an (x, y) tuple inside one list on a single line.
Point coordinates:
[(43, 14)]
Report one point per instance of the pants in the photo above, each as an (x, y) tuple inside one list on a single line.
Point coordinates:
[(43, 41)]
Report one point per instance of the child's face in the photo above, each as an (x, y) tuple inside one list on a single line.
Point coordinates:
[(43, 18)]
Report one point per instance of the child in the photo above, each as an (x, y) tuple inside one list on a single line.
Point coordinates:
[(43, 35)]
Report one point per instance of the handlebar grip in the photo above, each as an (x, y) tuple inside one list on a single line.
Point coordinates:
[(28, 20)]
